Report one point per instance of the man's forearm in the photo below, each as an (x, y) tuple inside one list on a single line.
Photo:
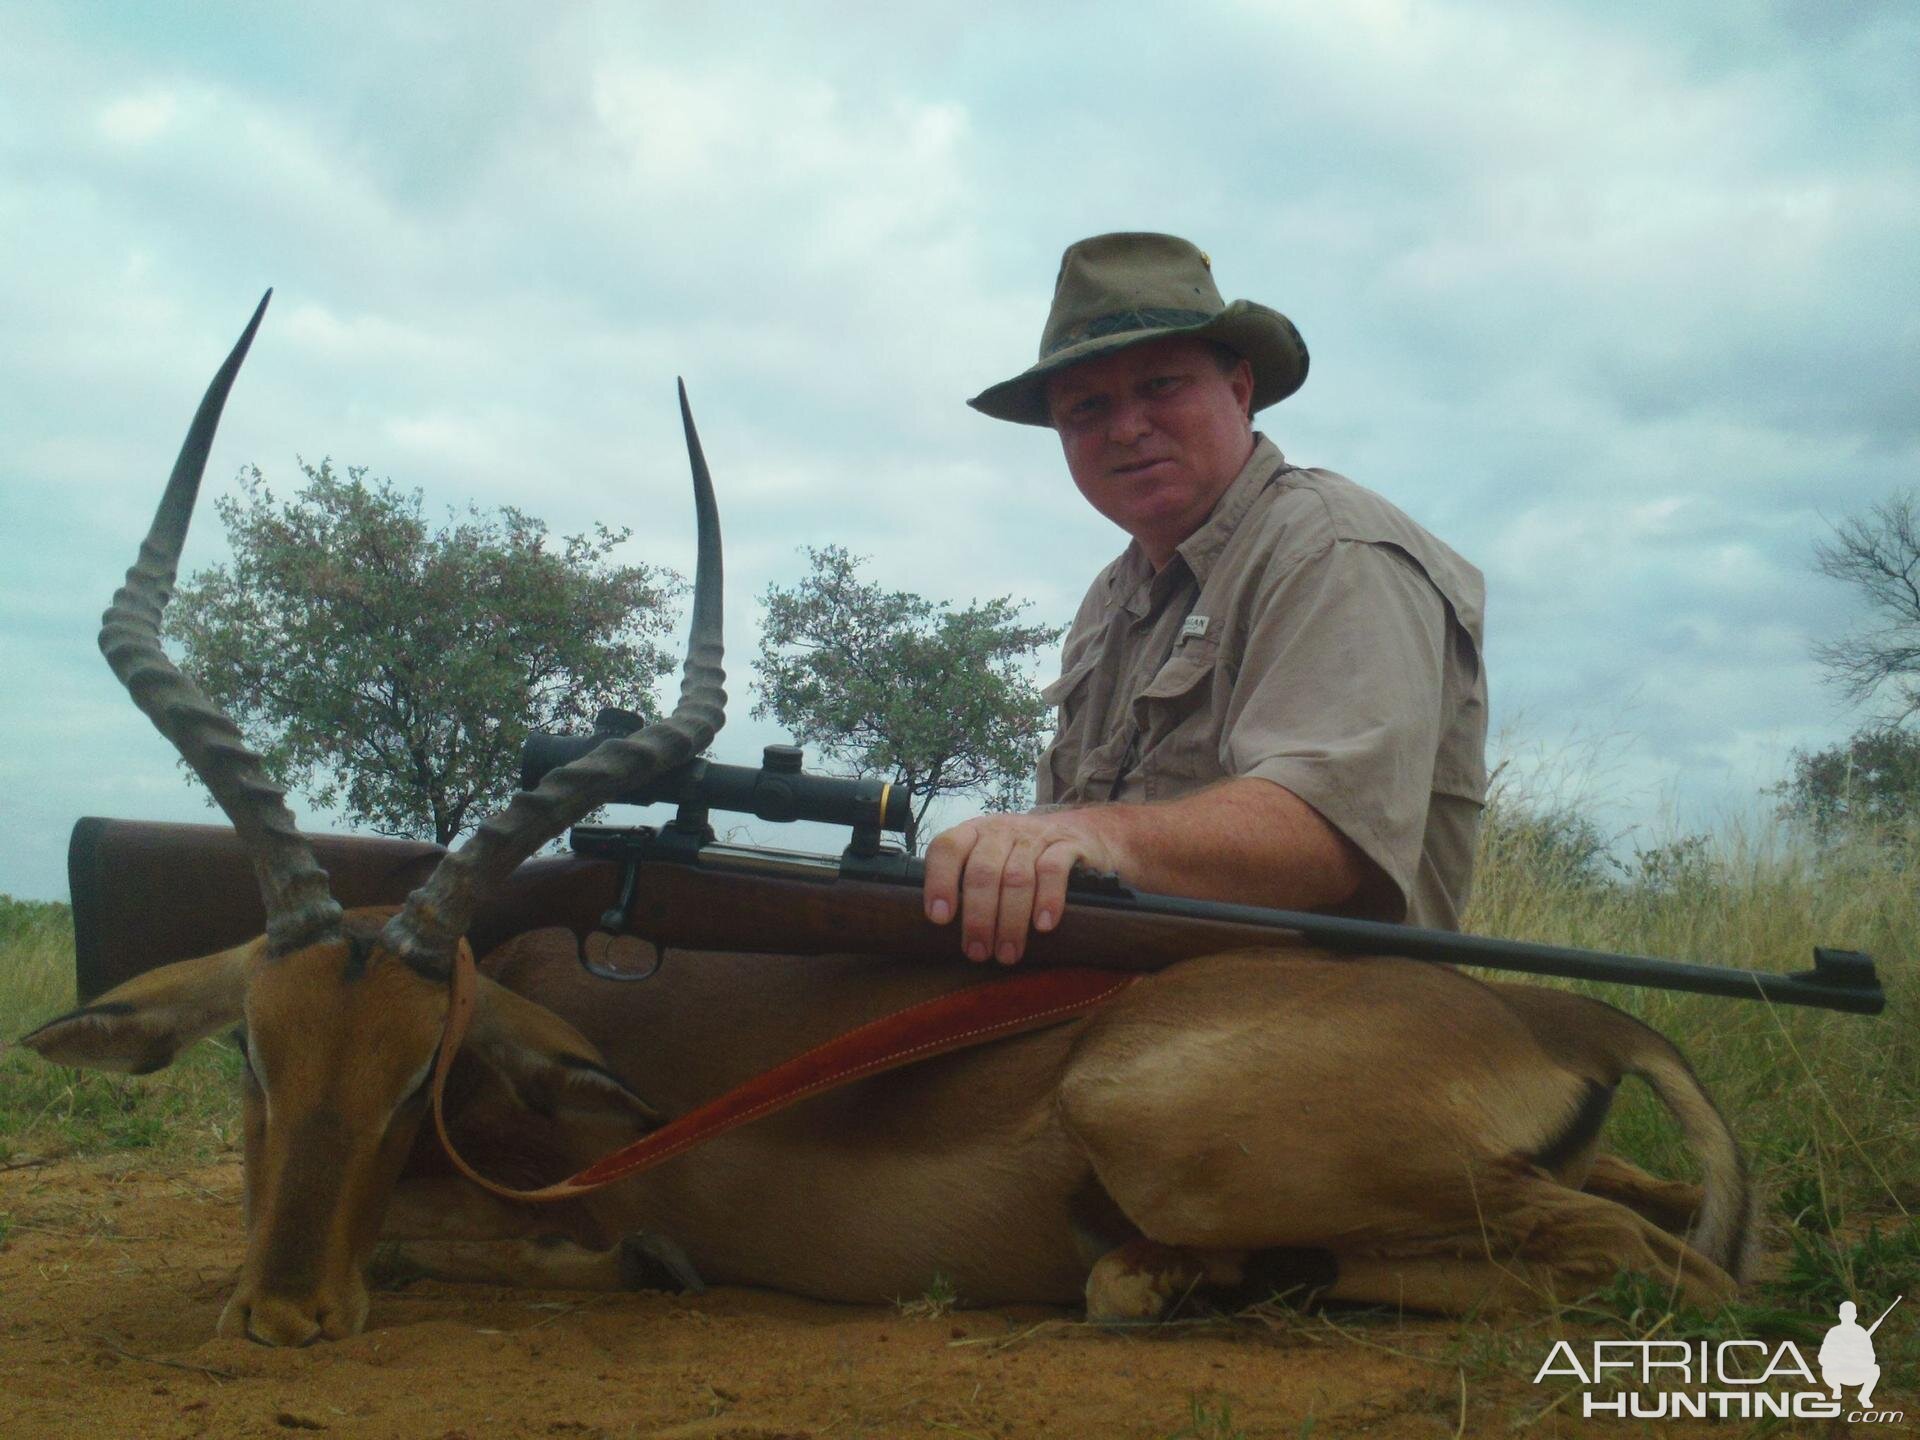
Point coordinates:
[(1246, 840)]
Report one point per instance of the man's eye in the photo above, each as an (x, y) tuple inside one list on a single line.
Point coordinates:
[(1165, 384)]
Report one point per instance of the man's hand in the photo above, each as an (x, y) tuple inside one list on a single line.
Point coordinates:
[(1247, 840), (1002, 872)]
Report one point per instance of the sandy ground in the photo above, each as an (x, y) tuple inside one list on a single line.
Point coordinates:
[(113, 1273)]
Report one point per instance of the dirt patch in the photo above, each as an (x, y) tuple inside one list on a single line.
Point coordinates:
[(112, 1274)]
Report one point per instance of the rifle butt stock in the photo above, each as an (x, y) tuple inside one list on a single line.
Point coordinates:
[(147, 893)]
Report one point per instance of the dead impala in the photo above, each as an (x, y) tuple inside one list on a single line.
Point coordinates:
[(1369, 1129)]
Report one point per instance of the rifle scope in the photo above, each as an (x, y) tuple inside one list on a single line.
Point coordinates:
[(779, 789)]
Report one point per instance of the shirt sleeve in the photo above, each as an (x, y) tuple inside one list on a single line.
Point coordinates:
[(1339, 697)]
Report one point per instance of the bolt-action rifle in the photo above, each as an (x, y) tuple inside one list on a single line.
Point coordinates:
[(1105, 922), (145, 894)]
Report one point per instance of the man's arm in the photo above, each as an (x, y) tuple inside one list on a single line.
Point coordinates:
[(1244, 839)]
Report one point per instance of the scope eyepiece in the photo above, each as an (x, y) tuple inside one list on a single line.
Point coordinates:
[(779, 789)]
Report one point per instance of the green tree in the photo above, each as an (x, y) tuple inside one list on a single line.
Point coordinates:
[(392, 670), (1878, 554), (1559, 844), (1870, 785), (889, 683)]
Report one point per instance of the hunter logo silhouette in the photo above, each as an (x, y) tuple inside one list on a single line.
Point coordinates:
[(1846, 1355)]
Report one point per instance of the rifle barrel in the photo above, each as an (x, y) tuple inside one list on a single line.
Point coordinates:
[(1840, 980), (1884, 1313)]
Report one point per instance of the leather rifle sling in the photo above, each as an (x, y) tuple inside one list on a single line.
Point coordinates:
[(1028, 1000)]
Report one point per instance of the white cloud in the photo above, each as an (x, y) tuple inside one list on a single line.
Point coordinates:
[(1614, 301), (138, 119)]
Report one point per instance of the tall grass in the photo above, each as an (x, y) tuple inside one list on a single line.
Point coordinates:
[(188, 1112), (1825, 1103)]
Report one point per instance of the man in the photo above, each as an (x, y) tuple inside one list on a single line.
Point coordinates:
[(1278, 682)]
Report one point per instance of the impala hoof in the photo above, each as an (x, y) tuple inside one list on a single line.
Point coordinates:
[(653, 1262)]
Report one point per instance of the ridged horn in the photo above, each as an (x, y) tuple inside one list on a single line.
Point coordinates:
[(300, 909), (436, 915)]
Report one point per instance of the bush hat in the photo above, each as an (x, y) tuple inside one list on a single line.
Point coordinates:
[(1127, 288)]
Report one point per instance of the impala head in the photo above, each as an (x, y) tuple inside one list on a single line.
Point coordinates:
[(341, 1014)]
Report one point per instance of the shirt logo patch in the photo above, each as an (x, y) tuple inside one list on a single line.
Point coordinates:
[(1194, 628)]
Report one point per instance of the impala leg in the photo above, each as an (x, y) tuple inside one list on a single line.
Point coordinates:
[(1144, 1280), (451, 1209), (550, 1262), (1540, 1244), (1583, 1240), (1439, 1284), (1670, 1204), (447, 1229)]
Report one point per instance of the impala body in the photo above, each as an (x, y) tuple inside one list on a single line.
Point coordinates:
[(1365, 1129)]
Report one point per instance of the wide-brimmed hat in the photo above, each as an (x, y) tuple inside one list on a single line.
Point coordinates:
[(1124, 289)]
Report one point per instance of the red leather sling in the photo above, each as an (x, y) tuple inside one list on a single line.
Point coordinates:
[(1025, 1000)]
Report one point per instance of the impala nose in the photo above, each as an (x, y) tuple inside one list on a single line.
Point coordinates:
[(268, 1320)]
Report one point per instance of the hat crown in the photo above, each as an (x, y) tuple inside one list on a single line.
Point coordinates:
[(1129, 280), (1132, 287)]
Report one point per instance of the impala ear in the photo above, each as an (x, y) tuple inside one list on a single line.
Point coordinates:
[(551, 1068), (138, 1027)]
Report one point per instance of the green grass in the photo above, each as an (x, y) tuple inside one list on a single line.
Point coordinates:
[(1208, 1420), (1826, 1105), (934, 1303), (187, 1112)]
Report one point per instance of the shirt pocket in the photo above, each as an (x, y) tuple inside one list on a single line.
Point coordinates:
[(1061, 691), (1064, 758), (1178, 722)]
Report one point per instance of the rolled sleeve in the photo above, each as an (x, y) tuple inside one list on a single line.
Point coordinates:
[(1339, 698)]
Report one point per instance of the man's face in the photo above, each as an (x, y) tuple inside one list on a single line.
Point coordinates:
[(1153, 435)]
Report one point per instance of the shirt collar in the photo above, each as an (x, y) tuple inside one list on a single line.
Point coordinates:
[(1131, 584)]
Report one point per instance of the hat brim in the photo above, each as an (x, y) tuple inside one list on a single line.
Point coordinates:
[(1265, 338)]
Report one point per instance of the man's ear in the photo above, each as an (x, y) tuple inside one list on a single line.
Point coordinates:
[(547, 1065), (138, 1027)]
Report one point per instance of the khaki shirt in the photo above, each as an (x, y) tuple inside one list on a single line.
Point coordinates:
[(1310, 634)]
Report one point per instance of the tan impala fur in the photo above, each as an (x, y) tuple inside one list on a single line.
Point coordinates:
[(1367, 1129), (1372, 1129)]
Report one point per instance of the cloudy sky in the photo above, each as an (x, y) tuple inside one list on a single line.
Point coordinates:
[(1619, 300)]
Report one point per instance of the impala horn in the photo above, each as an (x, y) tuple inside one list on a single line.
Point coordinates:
[(300, 909), (426, 931)]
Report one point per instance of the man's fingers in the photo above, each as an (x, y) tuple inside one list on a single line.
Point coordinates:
[(1006, 876), (1051, 872), (980, 891), (946, 857), (1017, 881)]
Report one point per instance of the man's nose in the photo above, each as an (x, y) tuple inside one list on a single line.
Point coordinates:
[(1128, 423)]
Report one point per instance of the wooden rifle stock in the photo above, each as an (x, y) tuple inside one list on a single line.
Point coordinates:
[(146, 894)]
